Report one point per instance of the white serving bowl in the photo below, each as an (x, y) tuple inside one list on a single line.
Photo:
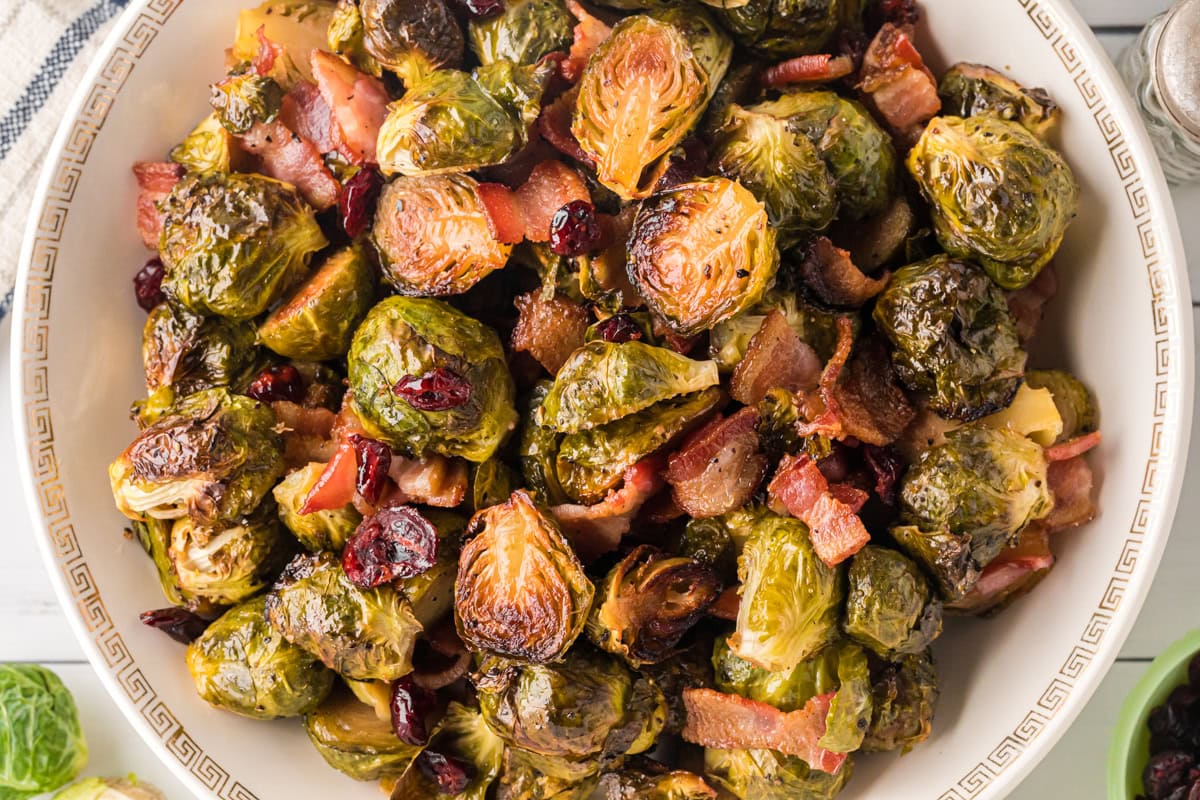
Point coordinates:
[(1011, 685)]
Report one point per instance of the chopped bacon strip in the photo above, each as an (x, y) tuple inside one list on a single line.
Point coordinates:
[(335, 487), (305, 111), (831, 274), (155, 181), (1013, 573), (727, 604), (555, 126), (728, 721), (597, 529), (434, 480), (306, 433), (288, 157), (1070, 483), (527, 212), (800, 489), (820, 68), (268, 52), (549, 330), (1027, 305), (358, 103), (1072, 448), (589, 33), (897, 82), (775, 358), (505, 220), (719, 468)]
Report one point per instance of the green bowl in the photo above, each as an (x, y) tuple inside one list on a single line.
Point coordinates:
[(1130, 748)]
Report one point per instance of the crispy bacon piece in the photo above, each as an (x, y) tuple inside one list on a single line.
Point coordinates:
[(305, 111), (718, 468), (1072, 448), (775, 358), (527, 212), (590, 31), (820, 68), (549, 330), (155, 181), (288, 157), (554, 124), (268, 52), (727, 721), (1070, 483), (727, 604), (831, 274), (434, 480), (801, 490), (306, 433), (897, 82), (335, 487), (849, 495), (597, 529), (1013, 573), (358, 103), (1027, 305)]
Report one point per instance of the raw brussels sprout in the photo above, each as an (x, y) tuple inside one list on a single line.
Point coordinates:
[(778, 29), (188, 353), (318, 321), (397, 32), (709, 42), (242, 100), (462, 734), (816, 326), (642, 91), (432, 236), (650, 780), (890, 607), (790, 600), (523, 33), (346, 36), (403, 337), (355, 740), (903, 698), (207, 149), (606, 381), (998, 194), (129, 788), (364, 634), (953, 337), (701, 253), (520, 591), (233, 244), (768, 775), (226, 565), (214, 457), (539, 451), (242, 665), (320, 530), (973, 90), (41, 742), (1076, 406)]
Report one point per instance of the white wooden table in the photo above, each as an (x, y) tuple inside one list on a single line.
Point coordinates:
[(32, 628)]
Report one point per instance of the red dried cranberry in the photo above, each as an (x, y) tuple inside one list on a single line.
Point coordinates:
[(575, 229), (394, 542), (180, 624), (147, 284), (452, 775), (280, 382), (411, 708), (439, 389), (357, 200), (886, 465), (900, 12), (619, 328), (479, 9), (1166, 772), (374, 459)]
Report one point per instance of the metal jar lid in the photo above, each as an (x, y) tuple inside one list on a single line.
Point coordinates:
[(1177, 65)]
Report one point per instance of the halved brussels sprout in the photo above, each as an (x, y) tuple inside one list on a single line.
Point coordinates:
[(523, 33), (317, 322), (649, 780), (890, 607), (154, 537), (709, 42), (606, 381), (207, 149), (214, 457), (188, 353), (462, 734), (973, 90), (492, 482), (320, 530), (903, 698), (817, 327), (232, 244), (642, 91), (778, 29), (519, 88), (364, 634), (998, 194), (768, 775), (241, 665), (346, 36), (355, 740), (395, 32), (226, 565), (520, 591), (1074, 401), (242, 100), (953, 337), (944, 555), (407, 338), (539, 451), (701, 253), (1032, 413), (432, 236)]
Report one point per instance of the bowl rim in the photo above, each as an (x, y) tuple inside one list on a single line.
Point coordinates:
[(1011, 759)]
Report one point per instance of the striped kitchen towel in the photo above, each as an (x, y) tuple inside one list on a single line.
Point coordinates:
[(45, 47)]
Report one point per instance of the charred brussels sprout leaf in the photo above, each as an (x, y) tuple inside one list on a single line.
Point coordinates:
[(904, 695), (320, 530), (973, 90), (364, 634), (242, 100), (404, 336), (241, 665), (462, 734), (397, 32), (953, 337), (889, 605), (213, 457), (188, 353), (207, 149), (226, 565), (778, 29), (1076, 406), (520, 591), (999, 194), (523, 33), (232, 244), (768, 775), (432, 236), (652, 781), (354, 739), (701, 253), (641, 92)]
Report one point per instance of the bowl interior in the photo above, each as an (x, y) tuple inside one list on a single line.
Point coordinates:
[(1010, 685)]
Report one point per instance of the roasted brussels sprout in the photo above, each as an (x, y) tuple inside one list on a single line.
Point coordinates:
[(461, 734), (606, 381), (1032, 413), (1076, 406), (953, 337), (319, 530), (973, 90), (539, 451), (519, 88), (346, 37), (701, 253), (998, 194), (709, 542), (154, 537), (188, 353), (214, 457), (790, 601), (520, 591), (689, 668), (904, 695), (432, 236), (709, 42), (523, 33), (404, 339), (431, 594), (396, 32), (232, 244), (240, 101), (768, 775), (207, 149), (890, 607), (364, 634), (241, 665), (226, 565), (777, 29), (526, 775), (652, 781), (317, 322), (817, 327), (354, 739), (642, 91), (492, 482)]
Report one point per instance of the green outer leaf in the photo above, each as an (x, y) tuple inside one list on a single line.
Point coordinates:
[(971, 90), (850, 711), (890, 607), (41, 742), (1075, 402), (207, 149)]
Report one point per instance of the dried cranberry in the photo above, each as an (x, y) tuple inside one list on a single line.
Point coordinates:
[(1166, 772), (394, 542), (619, 328), (575, 229), (885, 465), (374, 459), (280, 382), (900, 12), (439, 389), (147, 284), (411, 708), (452, 775), (358, 199), (479, 9), (180, 624)]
